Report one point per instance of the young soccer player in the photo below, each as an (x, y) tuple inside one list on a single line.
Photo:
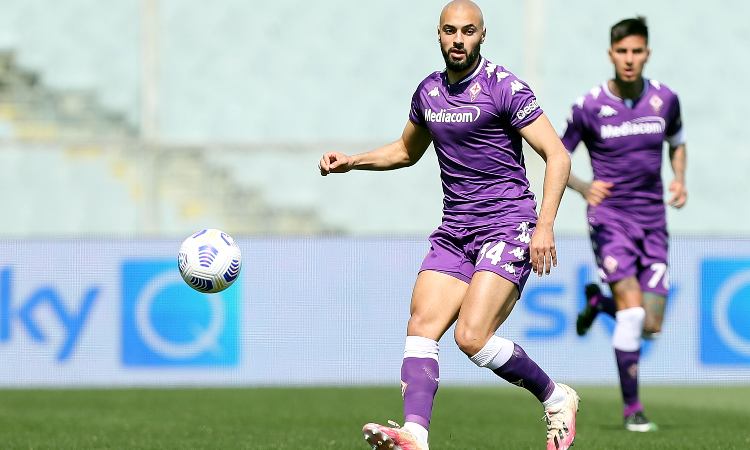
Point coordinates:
[(624, 123), (476, 113)]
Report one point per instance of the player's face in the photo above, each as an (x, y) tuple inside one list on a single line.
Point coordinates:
[(629, 55), (461, 34)]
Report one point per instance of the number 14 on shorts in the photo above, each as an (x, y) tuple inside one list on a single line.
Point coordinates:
[(494, 252)]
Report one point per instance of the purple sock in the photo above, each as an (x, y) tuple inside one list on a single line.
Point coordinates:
[(419, 383), (524, 372), (627, 364), (604, 304)]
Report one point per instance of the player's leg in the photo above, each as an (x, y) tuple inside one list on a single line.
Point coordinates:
[(437, 296), (488, 303), (618, 255), (626, 341), (641, 304), (435, 303), (654, 305), (654, 280), (601, 238), (596, 302), (500, 272)]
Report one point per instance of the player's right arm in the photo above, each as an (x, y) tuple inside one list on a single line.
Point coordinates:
[(593, 192), (404, 152)]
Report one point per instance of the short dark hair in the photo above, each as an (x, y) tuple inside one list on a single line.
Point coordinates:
[(628, 27)]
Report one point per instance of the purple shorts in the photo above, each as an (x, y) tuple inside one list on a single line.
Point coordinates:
[(624, 251), (463, 251)]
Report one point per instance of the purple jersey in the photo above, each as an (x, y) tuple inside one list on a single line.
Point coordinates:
[(625, 140), (474, 126)]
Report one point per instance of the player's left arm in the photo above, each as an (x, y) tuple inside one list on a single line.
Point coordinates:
[(678, 158), (677, 154), (541, 136)]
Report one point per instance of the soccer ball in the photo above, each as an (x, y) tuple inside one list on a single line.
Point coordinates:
[(209, 261)]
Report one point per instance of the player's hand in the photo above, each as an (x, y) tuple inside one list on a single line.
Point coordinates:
[(334, 162), (679, 194), (542, 250), (597, 191)]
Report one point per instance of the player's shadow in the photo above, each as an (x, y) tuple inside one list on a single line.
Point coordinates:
[(619, 427)]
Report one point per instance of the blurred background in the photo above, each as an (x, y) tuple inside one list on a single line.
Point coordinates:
[(126, 125)]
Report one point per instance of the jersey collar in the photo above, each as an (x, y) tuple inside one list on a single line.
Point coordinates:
[(605, 88)]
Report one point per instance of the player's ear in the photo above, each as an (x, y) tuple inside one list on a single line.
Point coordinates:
[(484, 34)]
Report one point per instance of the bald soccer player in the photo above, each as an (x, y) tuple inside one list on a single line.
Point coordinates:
[(475, 113)]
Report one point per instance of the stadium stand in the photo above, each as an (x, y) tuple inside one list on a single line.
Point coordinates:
[(85, 172)]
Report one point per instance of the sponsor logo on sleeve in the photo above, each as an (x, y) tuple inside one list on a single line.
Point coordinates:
[(528, 109)]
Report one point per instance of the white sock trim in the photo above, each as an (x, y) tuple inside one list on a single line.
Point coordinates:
[(556, 399), (418, 431), (629, 328), (421, 347), (496, 352)]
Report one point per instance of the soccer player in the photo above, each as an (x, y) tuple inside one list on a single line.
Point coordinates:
[(476, 114), (624, 123)]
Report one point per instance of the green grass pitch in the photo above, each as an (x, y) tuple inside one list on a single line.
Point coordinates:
[(331, 418)]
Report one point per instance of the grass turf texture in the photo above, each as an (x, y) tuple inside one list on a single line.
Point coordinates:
[(331, 418)]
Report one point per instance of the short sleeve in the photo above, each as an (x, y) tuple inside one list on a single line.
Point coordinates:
[(516, 101), (574, 131), (415, 112), (674, 132)]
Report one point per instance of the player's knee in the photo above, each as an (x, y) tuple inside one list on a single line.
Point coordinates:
[(419, 325), (469, 340), (628, 329), (627, 293)]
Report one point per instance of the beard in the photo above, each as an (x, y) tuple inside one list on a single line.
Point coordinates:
[(458, 66)]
